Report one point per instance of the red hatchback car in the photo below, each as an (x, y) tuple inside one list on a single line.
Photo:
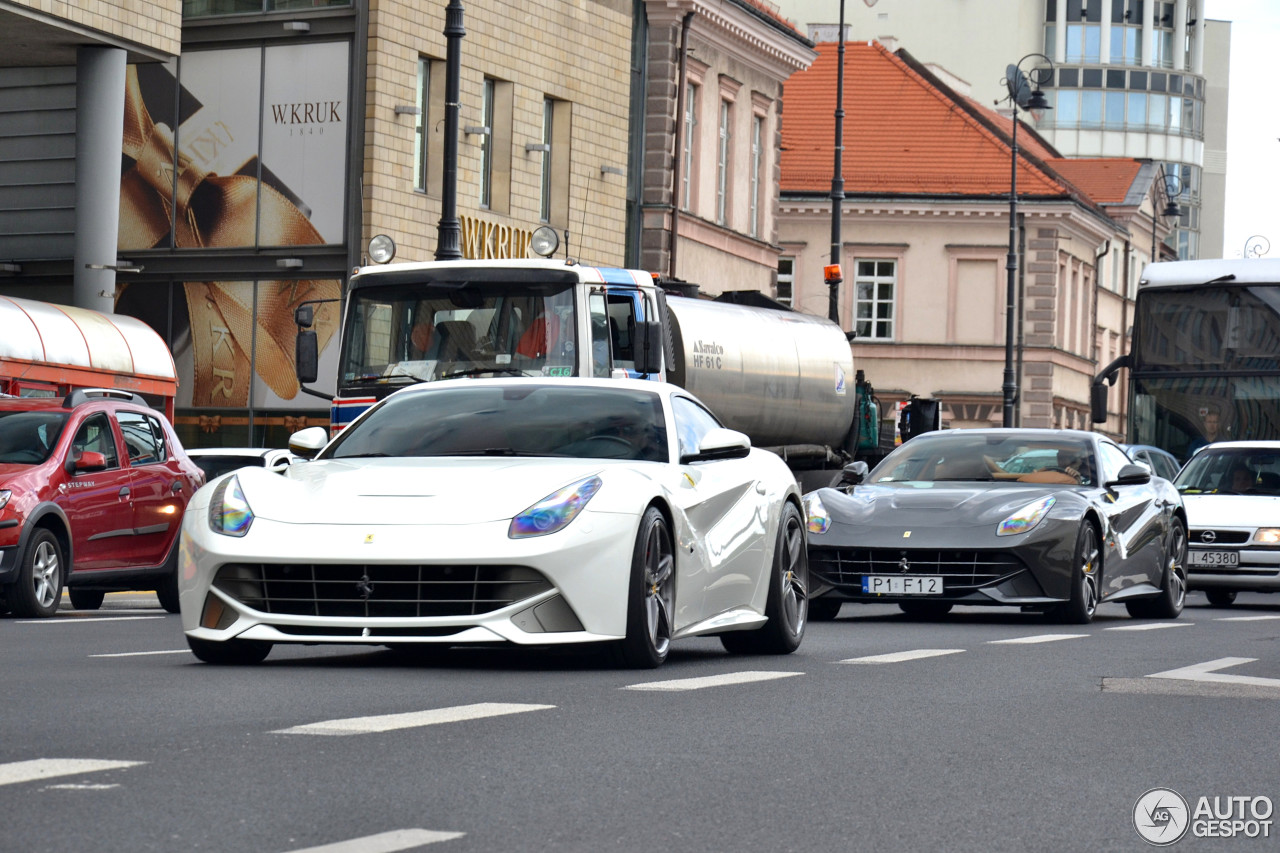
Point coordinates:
[(92, 491)]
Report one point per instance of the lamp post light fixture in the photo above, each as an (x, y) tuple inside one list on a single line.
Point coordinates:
[(1024, 93), (1256, 246), (1171, 210)]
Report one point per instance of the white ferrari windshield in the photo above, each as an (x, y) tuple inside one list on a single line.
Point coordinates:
[(521, 419)]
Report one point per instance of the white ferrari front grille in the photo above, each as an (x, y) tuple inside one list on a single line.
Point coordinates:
[(389, 591)]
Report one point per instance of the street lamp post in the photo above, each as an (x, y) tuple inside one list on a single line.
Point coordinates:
[(1024, 92), (833, 274), (449, 229), (1171, 208)]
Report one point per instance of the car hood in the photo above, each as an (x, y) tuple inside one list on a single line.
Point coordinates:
[(407, 491), (1232, 510), (937, 506)]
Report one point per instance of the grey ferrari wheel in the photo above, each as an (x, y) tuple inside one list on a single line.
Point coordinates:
[(229, 652), (788, 604), (85, 599), (38, 588), (1221, 597), (650, 595), (1173, 587), (1085, 573)]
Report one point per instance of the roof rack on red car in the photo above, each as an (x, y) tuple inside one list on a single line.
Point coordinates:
[(86, 395)]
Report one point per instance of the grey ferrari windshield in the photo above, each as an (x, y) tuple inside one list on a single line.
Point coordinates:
[(939, 457)]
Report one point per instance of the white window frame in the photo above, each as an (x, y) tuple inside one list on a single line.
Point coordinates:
[(757, 161), (722, 162), (785, 291), (548, 115), (690, 123), (877, 327)]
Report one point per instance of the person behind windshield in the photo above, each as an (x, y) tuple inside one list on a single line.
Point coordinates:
[(1211, 426), (1242, 479), (423, 340)]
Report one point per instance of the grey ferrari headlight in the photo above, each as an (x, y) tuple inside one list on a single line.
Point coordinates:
[(555, 511), (818, 517), (1026, 518), (229, 512)]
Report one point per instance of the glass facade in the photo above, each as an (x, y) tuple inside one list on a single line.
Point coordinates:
[(1103, 81)]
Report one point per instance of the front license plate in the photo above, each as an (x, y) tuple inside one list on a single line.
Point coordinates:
[(1226, 559), (902, 584)]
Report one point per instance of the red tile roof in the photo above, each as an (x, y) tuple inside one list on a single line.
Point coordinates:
[(906, 133), (1106, 180)]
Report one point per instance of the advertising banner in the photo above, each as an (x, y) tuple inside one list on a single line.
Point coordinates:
[(257, 160)]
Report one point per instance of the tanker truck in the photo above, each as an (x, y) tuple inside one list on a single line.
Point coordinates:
[(784, 378)]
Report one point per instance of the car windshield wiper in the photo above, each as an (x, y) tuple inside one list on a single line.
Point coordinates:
[(476, 371), (493, 451), (377, 455)]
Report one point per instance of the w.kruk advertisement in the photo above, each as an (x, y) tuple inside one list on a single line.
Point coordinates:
[(237, 149)]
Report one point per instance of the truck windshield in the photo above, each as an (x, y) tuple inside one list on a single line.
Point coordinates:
[(420, 333)]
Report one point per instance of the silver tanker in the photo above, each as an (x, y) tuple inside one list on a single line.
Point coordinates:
[(782, 377)]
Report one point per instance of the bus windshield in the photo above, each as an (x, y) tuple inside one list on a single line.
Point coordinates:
[(1205, 366), (404, 333)]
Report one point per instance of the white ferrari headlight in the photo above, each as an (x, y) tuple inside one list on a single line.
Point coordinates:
[(229, 512), (1026, 518), (818, 517), (555, 511)]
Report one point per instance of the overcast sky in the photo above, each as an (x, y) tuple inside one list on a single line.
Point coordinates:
[(1253, 124)]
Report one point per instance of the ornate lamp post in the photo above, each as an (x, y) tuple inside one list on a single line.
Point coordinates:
[(449, 230), (1171, 209), (1024, 93)]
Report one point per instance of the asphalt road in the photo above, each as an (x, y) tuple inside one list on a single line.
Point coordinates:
[(985, 731)]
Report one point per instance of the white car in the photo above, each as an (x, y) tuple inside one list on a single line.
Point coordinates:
[(524, 511), (216, 461), (1231, 491)]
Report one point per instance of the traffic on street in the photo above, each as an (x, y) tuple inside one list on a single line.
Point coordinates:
[(986, 729)]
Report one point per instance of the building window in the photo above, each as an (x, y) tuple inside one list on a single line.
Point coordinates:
[(690, 125), (428, 151), (548, 122), (209, 8), (874, 285), (557, 127), (786, 279), (722, 164), (486, 142), (757, 157)]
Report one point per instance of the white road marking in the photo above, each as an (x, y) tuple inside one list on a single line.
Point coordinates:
[(712, 680), (139, 654), (71, 786), (78, 620), (410, 720), (1247, 618), (51, 768), (899, 657), (1148, 626), (1207, 671), (1038, 638), (384, 842)]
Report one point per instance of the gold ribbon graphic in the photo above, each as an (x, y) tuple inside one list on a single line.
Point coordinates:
[(220, 211)]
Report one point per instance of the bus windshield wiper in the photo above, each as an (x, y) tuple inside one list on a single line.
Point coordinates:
[(476, 371)]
